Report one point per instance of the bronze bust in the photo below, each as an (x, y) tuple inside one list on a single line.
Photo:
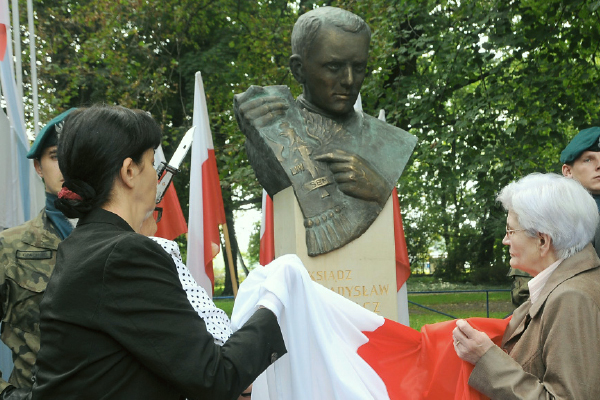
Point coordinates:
[(342, 164)]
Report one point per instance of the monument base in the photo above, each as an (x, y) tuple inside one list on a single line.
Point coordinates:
[(363, 271)]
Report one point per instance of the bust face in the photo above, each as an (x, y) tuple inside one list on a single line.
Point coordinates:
[(334, 69)]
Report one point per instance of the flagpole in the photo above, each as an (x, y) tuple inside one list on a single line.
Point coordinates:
[(17, 44), (32, 58), (230, 259)]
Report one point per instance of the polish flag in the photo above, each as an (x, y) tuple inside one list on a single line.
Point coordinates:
[(26, 196), (340, 350), (206, 210), (267, 231), (172, 224), (402, 261)]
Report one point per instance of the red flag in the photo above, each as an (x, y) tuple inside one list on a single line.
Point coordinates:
[(267, 231), (2, 41), (172, 224), (424, 365), (206, 200), (402, 262)]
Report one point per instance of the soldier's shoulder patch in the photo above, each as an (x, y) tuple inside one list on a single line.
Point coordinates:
[(34, 255)]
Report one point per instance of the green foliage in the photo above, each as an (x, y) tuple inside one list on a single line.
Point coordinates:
[(492, 89), (144, 54), (254, 245)]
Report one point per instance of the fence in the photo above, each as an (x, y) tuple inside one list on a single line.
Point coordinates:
[(487, 299)]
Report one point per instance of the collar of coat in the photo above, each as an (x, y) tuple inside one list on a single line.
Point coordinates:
[(582, 261), (102, 216)]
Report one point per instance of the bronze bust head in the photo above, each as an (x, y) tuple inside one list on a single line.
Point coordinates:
[(330, 70), (342, 163)]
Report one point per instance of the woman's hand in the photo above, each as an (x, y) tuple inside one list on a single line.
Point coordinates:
[(469, 343)]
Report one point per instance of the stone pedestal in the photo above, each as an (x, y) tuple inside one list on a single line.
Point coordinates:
[(363, 271)]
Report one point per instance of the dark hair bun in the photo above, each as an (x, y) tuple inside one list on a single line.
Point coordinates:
[(77, 208)]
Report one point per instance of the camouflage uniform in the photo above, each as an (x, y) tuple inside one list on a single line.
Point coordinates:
[(27, 258), (520, 290)]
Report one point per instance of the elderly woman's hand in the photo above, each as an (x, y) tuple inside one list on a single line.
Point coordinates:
[(469, 343)]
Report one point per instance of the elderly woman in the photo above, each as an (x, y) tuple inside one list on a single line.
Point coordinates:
[(115, 320), (551, 347)]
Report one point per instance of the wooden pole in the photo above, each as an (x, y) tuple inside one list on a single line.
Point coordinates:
[(230, 260)]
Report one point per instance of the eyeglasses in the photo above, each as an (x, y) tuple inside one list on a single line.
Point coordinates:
[(157, 214), (510, 232)]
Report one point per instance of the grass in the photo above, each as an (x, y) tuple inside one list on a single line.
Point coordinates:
[(446, 298), (225, 305), (461, 305), (429, 283)]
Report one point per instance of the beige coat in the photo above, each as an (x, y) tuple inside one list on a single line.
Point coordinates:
[(553, 346)]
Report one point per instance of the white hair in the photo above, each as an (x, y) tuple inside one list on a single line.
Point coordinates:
[(557, 206)]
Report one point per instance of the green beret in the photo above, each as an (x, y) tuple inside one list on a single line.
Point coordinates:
[(586, 139), (38, 145)]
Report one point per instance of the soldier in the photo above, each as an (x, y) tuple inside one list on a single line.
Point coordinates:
[(581, 161), (27, 257), (519, 291)]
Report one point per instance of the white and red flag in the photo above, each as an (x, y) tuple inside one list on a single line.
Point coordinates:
[(24, 195), (206, 210), (337, 349), (402, 261), (267, 231)]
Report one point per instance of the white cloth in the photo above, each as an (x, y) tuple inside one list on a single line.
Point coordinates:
[(537, 283), (322, 332), (216, 320)]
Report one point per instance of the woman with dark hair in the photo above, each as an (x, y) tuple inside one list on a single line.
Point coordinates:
[(115, 321)]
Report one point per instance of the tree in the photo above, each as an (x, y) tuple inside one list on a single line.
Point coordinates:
[(144, 54), (493, 90)]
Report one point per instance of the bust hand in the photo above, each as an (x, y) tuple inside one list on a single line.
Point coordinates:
[(469, 343), (355, 176), (263, 111)]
